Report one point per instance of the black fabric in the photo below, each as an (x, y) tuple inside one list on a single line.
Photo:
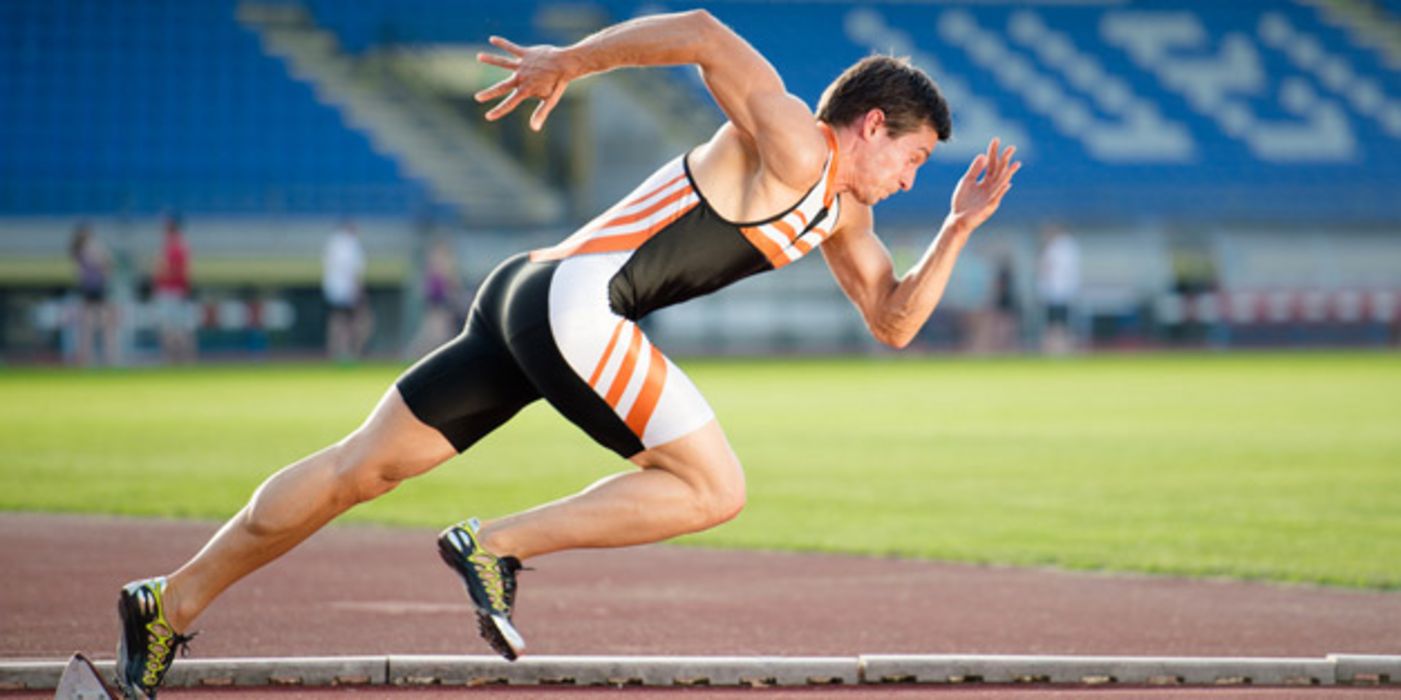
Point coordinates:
[(505, 359), (697, 254)]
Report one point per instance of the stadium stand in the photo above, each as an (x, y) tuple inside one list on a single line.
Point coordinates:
[(1155, 110), (1269, 128), (1161, 110), (145, 106)]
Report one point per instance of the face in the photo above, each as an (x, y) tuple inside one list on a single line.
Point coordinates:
[(886, 164)]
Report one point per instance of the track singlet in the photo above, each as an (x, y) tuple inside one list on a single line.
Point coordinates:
[(677, 247)]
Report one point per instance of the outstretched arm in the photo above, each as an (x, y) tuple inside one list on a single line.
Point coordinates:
[(777, 125), (895, 309)]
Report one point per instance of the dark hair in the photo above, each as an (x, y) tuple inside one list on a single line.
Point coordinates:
[(906, 94)]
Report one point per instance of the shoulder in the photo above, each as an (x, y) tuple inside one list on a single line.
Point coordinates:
[(798, 155), (794, 157)]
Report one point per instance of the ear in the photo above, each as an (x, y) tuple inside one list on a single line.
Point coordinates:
[(873, 123)]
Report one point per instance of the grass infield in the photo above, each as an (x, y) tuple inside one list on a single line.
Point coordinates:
[(1284, 467)]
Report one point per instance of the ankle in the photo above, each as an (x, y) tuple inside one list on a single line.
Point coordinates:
[(494, 542), (179, 613)]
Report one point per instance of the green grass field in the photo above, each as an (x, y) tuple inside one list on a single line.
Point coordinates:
[(1263, 466)]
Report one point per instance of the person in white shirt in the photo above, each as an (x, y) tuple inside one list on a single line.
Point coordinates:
[(1058, 282), (343, 285)]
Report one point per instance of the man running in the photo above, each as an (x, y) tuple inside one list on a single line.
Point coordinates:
[(560, 323)]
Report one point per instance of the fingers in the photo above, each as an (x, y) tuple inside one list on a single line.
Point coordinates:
[(503, 43), (498, 89), (542, 111), (976, 167), (498, 61), (1001, 167), (1013, 171), (508, 104)]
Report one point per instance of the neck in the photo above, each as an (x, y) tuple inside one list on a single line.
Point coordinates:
[(847, 137)]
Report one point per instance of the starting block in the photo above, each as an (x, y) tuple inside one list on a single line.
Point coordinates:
[(81, 681)]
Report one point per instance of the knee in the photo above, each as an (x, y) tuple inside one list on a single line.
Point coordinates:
[(729, 503), (361, 476), (720, 501)]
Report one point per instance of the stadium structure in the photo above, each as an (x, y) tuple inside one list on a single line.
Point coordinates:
[(1232, 171)]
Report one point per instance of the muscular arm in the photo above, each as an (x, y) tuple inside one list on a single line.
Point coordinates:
[(896, 308), (777, 126)]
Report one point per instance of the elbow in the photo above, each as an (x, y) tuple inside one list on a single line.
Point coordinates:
[(896, 341), (703, 24), (892, 333), (711, 39), (702, 16)]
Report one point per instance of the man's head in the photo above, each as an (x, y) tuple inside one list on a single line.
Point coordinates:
[(905, 94), (895, 115)]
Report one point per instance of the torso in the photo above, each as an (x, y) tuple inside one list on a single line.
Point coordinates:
[(700, 223)]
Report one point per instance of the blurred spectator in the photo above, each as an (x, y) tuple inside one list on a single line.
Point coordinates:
[(349, 322), (95, 312), (1058, 282), (1194, 287), (175, 315), (441, 295), (995, 327)]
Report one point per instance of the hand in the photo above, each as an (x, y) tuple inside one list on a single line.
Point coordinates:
[(536, 71), (980, 191)]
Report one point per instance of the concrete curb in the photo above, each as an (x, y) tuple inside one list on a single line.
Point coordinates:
[(1345, 669), (1099, 670)]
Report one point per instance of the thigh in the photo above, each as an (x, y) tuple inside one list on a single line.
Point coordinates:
[(467, 387), (614, 384), (394, 441), (595, 367), (702, 458)]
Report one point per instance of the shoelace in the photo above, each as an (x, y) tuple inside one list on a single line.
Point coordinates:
[(181, 642), (160, 647), (489, 570)]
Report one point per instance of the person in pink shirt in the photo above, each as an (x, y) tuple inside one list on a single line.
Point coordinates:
[(171, 283)]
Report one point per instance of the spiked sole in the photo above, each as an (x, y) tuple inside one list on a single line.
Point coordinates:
[(124, 613), (501, 635), (498, 631)]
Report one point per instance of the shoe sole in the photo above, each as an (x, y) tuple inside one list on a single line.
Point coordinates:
[(124, 613), (501, 635), (498, 631)]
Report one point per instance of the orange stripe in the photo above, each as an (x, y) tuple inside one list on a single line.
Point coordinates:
[(802, 220), (611, 244), (767, 247), (564, 248), (659, 188), (803, 246), (620, 382), (608, 244), (830, 194), (640, 215), (786, 230), (607, 352), (646, 402)]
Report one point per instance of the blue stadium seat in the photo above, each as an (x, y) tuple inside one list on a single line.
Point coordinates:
[(161, 104), (1160, 110), (1122, 112)]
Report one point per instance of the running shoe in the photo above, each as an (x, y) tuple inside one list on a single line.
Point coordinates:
[(148, 644), (490, 582)]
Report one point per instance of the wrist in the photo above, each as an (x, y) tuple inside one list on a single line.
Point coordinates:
[(957, 227), (573, 61)]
